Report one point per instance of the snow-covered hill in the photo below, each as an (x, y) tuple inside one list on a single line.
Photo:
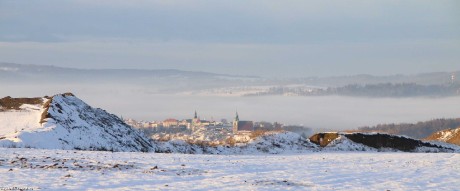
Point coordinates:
[(65, 122), (269, 143), (451, 136)]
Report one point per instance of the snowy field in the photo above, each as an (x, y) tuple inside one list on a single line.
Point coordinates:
[(85, 170)]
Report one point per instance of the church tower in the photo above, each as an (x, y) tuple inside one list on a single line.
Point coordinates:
[(235, 123), (195, 121)]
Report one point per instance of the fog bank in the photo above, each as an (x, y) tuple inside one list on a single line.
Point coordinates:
[(330, 112)]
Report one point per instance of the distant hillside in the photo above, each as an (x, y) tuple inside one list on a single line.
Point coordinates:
[(162, 80), (451, 136), (418, 130), (170, 80), (65, 122), (369, 90), (422, 79), (397, 90)]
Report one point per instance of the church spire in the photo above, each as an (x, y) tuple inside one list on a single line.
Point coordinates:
[(236, 117), (196, 116)]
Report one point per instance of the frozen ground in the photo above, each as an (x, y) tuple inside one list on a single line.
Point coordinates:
[(63, 170)]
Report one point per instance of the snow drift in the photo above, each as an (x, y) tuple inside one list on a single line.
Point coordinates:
[(65, 122)]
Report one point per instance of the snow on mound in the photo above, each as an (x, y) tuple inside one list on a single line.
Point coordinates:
[(24, 118), (278, 142), (334, 141), (179, 146), (450, 146), (66, 122), (270, 142), (342, 143)]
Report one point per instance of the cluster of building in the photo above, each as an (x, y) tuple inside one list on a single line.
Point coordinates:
[(191, 124), (237, 126)]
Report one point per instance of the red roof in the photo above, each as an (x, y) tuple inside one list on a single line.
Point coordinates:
[(171, 120)]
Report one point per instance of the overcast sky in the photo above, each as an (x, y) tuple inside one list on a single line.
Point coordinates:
[(263, 37)]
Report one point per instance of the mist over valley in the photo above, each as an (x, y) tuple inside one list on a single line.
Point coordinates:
[(160, 94)]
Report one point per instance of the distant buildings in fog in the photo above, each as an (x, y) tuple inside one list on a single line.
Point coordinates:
[(205, 129), (190, 124), (237, 126), (242, 126)]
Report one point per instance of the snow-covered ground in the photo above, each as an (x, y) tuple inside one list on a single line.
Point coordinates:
[(27, 118), (91, 170)]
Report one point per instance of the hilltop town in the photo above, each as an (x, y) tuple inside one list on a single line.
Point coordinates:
[(197, 130)]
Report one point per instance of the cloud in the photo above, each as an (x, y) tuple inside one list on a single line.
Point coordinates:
[(264, 21)]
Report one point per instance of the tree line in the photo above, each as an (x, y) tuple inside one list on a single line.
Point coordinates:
[(418, 130), (369, 90)]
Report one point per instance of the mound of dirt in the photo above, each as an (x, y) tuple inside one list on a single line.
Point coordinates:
[(9, 103), (451, 136), (323, 139)]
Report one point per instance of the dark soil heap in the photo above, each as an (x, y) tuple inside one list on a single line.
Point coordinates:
[(388, 141), (9, 103)]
